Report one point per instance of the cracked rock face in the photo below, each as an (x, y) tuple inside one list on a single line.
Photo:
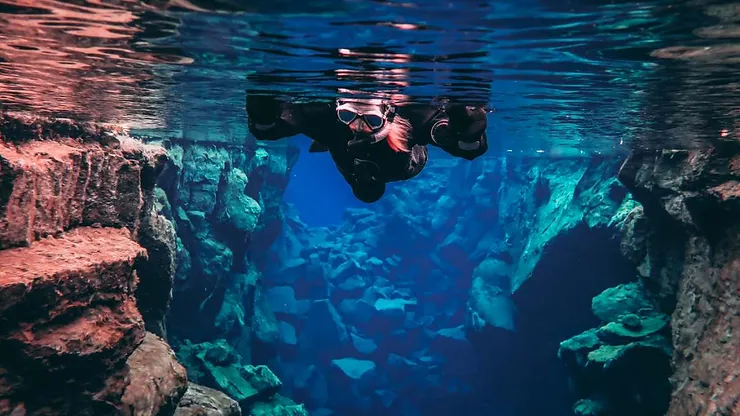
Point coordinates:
[(203, 401), (686, 243), (68, 314), (47, 187), (77, 224)]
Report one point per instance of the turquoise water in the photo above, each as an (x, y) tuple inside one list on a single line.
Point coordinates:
[(560, 77), (571, 88)]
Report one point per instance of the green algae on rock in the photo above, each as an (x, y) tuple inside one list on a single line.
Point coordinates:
[(278, 406), (217, 365), (684, 243), (623, 366)]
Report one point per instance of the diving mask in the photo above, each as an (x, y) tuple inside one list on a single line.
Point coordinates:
[(373, 116)]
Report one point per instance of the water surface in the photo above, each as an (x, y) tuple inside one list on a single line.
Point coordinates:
[(560, 77)]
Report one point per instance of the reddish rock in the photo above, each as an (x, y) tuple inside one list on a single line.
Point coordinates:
[(69, 318), (98, 337), (76, 207), (156, 381), (203, 401), (56, 275), (47, 187), (687, 243)]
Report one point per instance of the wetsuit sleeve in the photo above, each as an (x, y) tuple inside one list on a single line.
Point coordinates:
[(467, 132), (459, 130), (269, 118)]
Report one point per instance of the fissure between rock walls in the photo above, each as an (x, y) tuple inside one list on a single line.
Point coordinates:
[(507, 286)]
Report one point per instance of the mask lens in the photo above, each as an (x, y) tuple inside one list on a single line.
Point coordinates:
[(346, 116), (374, 121), (440, 131)]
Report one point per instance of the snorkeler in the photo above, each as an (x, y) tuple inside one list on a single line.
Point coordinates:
[(372, 141), (380, 148), (369, 144)]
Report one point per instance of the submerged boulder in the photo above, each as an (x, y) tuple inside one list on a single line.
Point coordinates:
[(623, 366), (278, 406), (217, 365), (156, 381), (203, 401)]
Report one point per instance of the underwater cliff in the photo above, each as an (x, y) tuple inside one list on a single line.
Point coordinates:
[(87, 272), (172, 278)]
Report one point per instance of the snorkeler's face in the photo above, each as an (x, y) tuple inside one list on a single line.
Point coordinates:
[(362, 118)]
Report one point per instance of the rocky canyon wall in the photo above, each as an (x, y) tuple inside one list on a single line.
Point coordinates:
[(224, 201), (453, 292), (461, 289), (685, 241), (76, 225), (667, 344), (88, 256)]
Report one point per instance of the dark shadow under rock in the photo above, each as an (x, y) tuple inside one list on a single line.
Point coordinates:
[(623, 367), (552, 305), (156, 274)]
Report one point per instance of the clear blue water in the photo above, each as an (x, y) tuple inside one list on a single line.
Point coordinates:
[(563, 77)]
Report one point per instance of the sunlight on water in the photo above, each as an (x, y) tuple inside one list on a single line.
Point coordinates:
[(561, 78)]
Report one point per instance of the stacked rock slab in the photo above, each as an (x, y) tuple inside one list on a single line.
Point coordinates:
[(72, 337), (685, 243)]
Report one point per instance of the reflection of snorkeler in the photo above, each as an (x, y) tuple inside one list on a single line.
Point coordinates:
[(372, 141)]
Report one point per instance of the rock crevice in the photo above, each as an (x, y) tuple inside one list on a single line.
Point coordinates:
[(685, 243)]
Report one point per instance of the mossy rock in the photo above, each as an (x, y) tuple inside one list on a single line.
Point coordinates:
[(217, 365), (608, 357), (632, 328), (234, 208), (574, 351), (621, 300), (590, 407), (278, 406)]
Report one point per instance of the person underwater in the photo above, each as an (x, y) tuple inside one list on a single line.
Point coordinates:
[(372, 141)]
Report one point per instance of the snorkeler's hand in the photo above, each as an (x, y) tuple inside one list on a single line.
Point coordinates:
[(265, 119), (263, 112), (466, 137), (468, 149)]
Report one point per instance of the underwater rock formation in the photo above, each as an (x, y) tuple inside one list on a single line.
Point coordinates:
[(52, 184), (378, 304), (75, 222), (621, 368), (253, 387), (203, 401), (225, 204), (685, 241)]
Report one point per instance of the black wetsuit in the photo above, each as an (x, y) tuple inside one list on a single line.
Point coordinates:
[(365, 167), (447, 125)]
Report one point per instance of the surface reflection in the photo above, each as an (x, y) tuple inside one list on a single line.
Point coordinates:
[(563, 77)]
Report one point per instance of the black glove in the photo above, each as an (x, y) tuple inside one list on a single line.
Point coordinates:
[(263, 110), (264, 119), (462, 132), (365, 170)]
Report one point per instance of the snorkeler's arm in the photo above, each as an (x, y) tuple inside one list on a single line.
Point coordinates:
[(318, 121), (467, 149), (457, 129), (269, 118)]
